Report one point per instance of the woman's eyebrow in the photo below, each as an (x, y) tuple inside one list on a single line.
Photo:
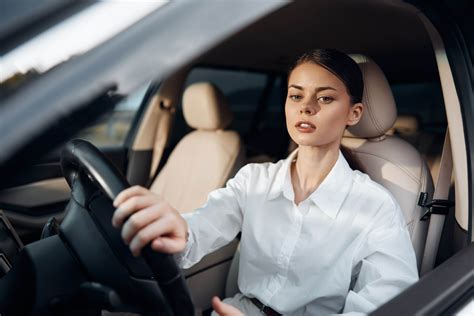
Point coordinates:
[(318, 89), (295, 86)]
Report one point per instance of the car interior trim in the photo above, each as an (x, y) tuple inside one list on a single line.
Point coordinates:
[(35, 221), (454, 117), (139, 162), (36, 194)]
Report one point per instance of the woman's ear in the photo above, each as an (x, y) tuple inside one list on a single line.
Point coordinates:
[(355, 114)]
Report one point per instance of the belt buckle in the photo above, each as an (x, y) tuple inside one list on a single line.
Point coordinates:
[(262, 309)]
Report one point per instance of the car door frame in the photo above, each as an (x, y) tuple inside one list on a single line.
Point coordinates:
[(449, 287)]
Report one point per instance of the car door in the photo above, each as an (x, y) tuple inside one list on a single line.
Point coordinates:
[(448, 289)]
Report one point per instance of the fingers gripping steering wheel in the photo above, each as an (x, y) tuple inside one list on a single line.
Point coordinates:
[(87, 228)]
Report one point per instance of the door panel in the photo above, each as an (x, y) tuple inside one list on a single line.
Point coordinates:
[(37, 194), (40, 192)]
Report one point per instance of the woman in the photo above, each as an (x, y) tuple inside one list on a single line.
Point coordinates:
[(317, 238)]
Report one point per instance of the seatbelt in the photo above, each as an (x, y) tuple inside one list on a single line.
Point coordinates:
[(162, 135), (170, 92), (438, 207)]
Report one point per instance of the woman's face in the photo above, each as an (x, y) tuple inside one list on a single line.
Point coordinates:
[(318, 107)]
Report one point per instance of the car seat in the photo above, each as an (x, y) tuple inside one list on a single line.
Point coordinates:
[(152, 137), (204, 159), (388, 159)]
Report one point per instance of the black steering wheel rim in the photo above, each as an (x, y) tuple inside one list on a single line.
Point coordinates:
[(79, 156), (87, 170)]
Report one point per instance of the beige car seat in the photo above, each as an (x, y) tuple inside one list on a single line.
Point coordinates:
[(205, 158), (388, 160), (153, 134)]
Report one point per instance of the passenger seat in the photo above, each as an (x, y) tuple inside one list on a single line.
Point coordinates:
[(201, 162), (204, 159)]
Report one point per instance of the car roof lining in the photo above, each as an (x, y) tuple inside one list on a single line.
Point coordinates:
[(388, 31)]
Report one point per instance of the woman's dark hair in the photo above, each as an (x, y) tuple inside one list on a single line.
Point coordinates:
[(340, 65)]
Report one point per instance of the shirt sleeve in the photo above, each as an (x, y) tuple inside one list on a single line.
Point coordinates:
[(386, 264), (218, 221)]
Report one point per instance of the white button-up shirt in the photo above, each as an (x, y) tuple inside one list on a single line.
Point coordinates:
[(344, 249)]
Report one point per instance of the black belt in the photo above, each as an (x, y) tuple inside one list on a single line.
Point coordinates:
[(263, 308)]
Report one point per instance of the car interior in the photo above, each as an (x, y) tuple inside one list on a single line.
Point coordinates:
[(188, 133)]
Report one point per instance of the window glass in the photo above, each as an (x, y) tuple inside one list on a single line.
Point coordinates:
[(270, 137), (423, 100), (113, 127), (424, 103), (71, 37), (275, 114)]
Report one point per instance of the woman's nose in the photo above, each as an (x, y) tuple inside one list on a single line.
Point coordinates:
[(307, 109)]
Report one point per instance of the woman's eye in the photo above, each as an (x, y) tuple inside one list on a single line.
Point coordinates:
[(325, 99), (295, 97)]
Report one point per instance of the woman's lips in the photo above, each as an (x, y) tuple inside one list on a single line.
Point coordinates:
[(305, 127)]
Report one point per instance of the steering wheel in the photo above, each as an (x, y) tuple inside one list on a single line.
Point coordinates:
[(87, 265)]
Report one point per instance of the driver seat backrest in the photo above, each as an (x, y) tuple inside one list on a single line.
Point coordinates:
[(388, 160), (204, 159)]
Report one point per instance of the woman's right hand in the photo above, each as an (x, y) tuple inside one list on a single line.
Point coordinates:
[(223, 309), (145, 217)]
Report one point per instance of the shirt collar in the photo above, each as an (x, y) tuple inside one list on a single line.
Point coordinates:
[(330, 194)]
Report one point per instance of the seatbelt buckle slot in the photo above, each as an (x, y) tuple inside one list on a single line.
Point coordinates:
[(435, 206)]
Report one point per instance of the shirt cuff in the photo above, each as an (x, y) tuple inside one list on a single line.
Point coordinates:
[(181, 257)]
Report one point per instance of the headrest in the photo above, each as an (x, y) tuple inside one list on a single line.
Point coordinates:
[(205, 107), (380, 110)]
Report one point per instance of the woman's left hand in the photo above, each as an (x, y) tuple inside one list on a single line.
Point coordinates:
[(224, 309)]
